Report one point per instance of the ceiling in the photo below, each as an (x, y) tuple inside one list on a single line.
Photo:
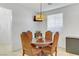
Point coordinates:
[(45, 6)]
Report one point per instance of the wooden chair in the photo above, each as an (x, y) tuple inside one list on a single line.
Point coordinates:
[(53, 49), (26, 45), (48, 36), (29, 34), (37, 34)]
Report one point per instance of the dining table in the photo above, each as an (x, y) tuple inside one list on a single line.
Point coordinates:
[(41, 44)]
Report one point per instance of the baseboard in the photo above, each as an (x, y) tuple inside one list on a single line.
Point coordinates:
[(17, 50)]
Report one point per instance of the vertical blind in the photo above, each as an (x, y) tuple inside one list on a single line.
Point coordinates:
[(55, 22)]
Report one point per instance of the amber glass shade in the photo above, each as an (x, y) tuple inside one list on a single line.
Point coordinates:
[(39, 17)]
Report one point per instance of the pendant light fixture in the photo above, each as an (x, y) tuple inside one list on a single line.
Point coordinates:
[(39, 16)]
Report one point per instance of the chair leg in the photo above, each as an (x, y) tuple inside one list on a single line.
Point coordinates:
[(56, 51), (51, 54), (23, 53)]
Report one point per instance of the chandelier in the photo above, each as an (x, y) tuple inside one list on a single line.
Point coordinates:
[(39, 16)]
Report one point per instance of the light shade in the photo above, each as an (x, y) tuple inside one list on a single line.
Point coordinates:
[(40, 17)]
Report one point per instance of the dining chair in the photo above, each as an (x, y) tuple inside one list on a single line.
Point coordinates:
[(29, 34), (53, 49), (26, 45), (37, 34), (48, 36)]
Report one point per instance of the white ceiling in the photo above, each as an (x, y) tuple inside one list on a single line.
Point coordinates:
[(45, 7)]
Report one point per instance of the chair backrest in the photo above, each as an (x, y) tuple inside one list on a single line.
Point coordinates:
[(37, 34), (48, 35), (29, 34), (56, 38), (25, 41)]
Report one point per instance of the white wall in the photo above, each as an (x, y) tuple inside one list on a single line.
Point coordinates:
[(70, 22), (5, 30), (22, 20)]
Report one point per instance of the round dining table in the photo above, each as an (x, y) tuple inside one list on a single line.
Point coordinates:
[(41, 45)]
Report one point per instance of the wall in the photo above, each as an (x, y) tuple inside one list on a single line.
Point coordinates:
[(5, 30), (22, 20), (70, 22)]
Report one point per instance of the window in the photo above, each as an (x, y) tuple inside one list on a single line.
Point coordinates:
[(55, 22)]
